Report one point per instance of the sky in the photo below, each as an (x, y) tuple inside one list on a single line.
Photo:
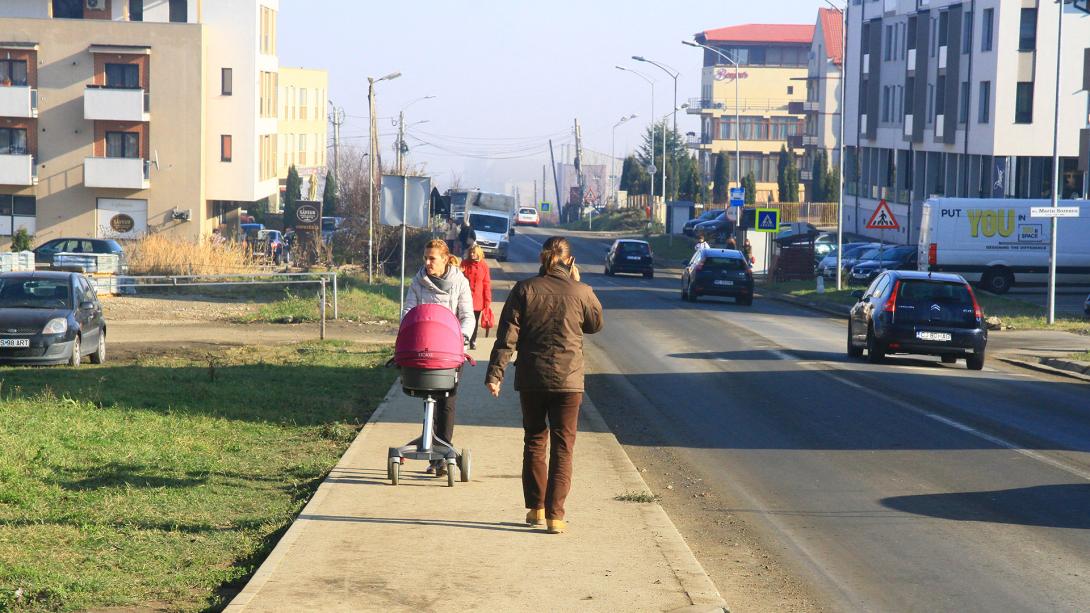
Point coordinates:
[(507, 75)]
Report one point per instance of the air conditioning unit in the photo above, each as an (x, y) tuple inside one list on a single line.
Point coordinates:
[(96, 5)]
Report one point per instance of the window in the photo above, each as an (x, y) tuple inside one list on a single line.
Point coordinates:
[(1027, 30), (268, 31), (179, 11), (986, 27), (885, 103), (123, 76), (963, 103), (1023, 103), (13, 141), (122, 145), (940, 96), (226, 78), (967, 33), (944, 28), (303, 103), (68, 9), (13, 72), (985, 103), (136, 10), (790, 90), (225, 147), (887, 54), (930, 103)]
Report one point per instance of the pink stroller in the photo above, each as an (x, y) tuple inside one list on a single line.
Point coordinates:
[(429, 353)]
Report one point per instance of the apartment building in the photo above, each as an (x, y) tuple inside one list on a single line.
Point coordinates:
[(123, 117), (771, 75), (823, 89), (955, 98), (303, 127)]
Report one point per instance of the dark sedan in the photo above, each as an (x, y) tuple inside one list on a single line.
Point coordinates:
[(871, 264), (718, 272), (718, 226), (630, 256), (50, 318), (918, 312), (688, 228)]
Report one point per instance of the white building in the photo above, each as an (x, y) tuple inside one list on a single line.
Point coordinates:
[(955, 98), (823, 89)]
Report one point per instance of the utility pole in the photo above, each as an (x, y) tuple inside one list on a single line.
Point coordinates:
[(556, 181), (579, 169), (401, 143), (543, 198), (336, 117)]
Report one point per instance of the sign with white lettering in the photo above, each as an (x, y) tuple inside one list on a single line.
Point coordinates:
[(1054, 211)]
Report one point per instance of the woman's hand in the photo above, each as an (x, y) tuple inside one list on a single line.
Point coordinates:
[(493, 388), (575, 272)]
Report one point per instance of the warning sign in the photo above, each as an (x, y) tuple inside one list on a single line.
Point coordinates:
[(883, 218)]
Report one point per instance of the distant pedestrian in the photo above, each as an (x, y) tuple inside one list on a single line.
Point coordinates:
[(480, 284), (466, 236), (452, 235), (544, 320), (701, 243), (747, 249), (731, 243), (440, 281)]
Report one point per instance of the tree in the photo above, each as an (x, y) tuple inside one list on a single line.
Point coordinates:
[(720, 193), (651, 153), (329, 195), (690, 187), (787, 176), (832, 185), (22, 240), (749, 183), (634, 177), (819, 178), (292, 189), (781, 173)]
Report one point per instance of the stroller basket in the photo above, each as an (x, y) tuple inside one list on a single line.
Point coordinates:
[(428, 379)]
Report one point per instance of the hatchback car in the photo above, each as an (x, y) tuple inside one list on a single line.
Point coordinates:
[(921, 313), (718, 272), (851, 251), (630, 256), (43, 254), (528, 217), (50, 318), (871, 264)]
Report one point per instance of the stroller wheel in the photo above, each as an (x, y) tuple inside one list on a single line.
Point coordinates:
[(465, 464), (450, 476), (393, 471)]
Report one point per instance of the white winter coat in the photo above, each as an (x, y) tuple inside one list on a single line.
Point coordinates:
[(459, 299)]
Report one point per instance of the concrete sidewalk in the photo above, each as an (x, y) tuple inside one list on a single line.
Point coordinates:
[(362, 544)]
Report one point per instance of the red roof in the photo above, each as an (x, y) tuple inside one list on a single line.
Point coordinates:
[(832, 26), (761, 33)]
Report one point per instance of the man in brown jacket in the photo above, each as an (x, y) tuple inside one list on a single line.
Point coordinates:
[(544, 319)]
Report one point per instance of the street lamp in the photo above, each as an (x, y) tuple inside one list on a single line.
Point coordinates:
[(613, 156), (372, 129), (1055, 166), (650, 82), (400, 123), (843, 113), (737, 112)]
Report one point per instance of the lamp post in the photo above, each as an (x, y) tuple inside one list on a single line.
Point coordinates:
[(843, 92), (1055, 166), (613, 156), (650, 82), (673, 75), (372, 129), (737, 112), (400, 148)]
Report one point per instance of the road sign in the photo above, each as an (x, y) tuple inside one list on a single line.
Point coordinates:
[(768, 220), (545, 206), (883, 218), (737, 196), (1054, 211)]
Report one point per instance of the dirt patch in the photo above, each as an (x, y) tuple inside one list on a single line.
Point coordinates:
[(186, 308)]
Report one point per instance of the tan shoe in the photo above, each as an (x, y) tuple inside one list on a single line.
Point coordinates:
[(535, 517), (556, 526)]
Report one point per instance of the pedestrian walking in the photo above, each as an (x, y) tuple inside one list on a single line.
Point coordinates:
[(440, 281), (544, 320), (452, 235), (747, 249), (466, 236), (701, 243), (480, 284)]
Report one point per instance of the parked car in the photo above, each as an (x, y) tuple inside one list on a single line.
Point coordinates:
[(527, 216), (916, 312), (688, 228), (851, 252), (902, 257), (720, 225), (50, 318), (43, 254), (630, 256), (718, 272)]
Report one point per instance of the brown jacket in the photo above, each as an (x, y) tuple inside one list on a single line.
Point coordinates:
[(544, 319)]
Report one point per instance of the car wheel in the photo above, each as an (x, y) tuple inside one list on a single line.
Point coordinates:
[(875, 352), (684, 294), (998, 281), (99, 356), (949, 359), (744, 300), (75, 357), (975, 361), (853, 351)]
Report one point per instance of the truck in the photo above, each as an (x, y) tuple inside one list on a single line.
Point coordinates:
[(998, 244), (491, 216)]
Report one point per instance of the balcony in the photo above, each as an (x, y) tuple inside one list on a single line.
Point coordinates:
[(811, 106), (18, 170), (809, 141), (116, 173), (890, 6), (114, 104), (18, 101)]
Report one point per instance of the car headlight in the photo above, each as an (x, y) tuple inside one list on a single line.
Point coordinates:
[(58, 325)]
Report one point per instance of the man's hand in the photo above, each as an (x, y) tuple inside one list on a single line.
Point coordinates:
[(494, 388)]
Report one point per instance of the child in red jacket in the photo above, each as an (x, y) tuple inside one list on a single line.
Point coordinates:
[(480, 283)]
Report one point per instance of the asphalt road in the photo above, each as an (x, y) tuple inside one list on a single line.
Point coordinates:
[(804, 480)]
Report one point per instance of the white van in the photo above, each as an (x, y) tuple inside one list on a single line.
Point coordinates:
[(997, 244)]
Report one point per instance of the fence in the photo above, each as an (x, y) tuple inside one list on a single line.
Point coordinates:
[(817, 213)]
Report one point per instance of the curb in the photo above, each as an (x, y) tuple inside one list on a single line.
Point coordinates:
[(813, 306), (1052, 366)]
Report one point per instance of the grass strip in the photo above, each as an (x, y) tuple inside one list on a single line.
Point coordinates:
[(356, 301)]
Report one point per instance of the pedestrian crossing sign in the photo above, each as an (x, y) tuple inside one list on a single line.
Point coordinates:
[(883, 218), (768, 220)]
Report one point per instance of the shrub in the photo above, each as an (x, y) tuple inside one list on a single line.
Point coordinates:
[(159, 254), (21, 241)]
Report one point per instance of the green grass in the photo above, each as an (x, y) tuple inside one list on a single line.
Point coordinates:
[(357, 301), (637, 497), (624, 220), (1014, 314), (167, 481), (1081, 357)]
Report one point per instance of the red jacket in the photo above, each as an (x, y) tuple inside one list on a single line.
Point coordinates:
[(480, 283)]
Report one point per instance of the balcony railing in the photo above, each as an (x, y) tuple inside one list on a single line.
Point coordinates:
[(115, 104), (811, 105), (726, 105), (18, 169), (18, 101), (809, 140), (117, 173)]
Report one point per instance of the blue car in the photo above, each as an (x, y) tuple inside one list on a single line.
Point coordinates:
[(50, 318)]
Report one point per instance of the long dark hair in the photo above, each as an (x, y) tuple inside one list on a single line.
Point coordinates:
[(555, 252)]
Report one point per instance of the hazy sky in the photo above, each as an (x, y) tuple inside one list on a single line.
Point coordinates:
[(507, 75)]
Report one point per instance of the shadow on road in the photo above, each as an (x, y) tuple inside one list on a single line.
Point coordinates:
[(1047, 506)]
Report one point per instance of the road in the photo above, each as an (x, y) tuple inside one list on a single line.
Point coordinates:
[(804, 480)]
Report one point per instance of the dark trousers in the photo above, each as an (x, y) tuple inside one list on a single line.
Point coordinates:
[(443, 425), (476, 326), (548, 419)]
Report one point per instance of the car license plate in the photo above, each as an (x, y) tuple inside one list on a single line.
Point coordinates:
[(722, 282), (635, 258), (14, 342), (934, 336)]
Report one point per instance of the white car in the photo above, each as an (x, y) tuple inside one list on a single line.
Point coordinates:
[(527, 217)]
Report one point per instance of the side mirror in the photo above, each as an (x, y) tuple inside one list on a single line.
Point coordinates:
[(86, 306), (857, 294)]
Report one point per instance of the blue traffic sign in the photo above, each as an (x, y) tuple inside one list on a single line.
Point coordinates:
[(545, 207), (768, 220), (737, 196)]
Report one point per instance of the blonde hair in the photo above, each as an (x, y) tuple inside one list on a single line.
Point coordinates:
[(555, 251), (441, 245), (475, 250)]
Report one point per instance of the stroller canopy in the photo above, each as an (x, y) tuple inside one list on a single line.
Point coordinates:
[(430, 337)]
